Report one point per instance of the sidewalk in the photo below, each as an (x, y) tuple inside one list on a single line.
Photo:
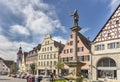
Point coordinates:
[(45, 80)]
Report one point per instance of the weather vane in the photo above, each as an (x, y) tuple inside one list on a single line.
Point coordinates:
[(76, 17)]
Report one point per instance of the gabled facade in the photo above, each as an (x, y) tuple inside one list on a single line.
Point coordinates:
[(32, 58), (106, 49), (83, 52), (5, 66), (48, 56)]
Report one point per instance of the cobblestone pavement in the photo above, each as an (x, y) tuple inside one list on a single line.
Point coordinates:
[(10, 79)]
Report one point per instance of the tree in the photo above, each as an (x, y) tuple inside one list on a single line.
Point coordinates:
[(60, 65), (13, 68), (33, 66)]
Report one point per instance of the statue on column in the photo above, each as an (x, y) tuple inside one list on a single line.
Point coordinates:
[(76, 17)]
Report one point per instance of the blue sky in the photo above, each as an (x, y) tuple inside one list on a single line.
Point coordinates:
[(26, 22)]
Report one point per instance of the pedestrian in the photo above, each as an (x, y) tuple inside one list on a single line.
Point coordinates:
[(52, 77)]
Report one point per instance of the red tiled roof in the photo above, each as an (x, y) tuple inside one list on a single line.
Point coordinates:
[(85, 41), (8, 63)]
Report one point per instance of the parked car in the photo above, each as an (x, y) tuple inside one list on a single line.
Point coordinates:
[(18, 75), (27, 76), (13, 75), (23, 76)]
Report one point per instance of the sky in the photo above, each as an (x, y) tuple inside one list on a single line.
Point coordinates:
[(26, 22)]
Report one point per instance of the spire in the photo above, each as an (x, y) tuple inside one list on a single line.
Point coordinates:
[(20, 50)]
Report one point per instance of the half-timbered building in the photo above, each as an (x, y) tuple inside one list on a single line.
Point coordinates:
[(106, 49)]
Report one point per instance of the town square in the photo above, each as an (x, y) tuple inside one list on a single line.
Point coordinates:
[(59, 41)]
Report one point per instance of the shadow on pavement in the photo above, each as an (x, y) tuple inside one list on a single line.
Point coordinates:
[(4, 79)]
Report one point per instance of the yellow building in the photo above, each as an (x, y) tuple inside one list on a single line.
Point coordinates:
[(48, 56)]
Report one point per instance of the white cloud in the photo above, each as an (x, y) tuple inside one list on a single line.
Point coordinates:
[(19, 29), (83, 30), (9, 49), (38, 18), (59, 38), (38, 15)]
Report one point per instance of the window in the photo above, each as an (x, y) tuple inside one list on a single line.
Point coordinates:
[(41, 63), (44, 63), (71, 42), (80, 49), (51, 48), (54, 55), (44, 56), (51, 63), (114, 45), (67, 59), (45, 49), (48, 56), (68, 43), (54, 62), (118, 44), (67, 50), (41, 56), (82, 57), (71, 50), (99, 47), (71, 36), (106, 62), (86, 58)]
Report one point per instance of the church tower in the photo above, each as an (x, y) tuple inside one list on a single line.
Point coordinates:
[(19, 57)]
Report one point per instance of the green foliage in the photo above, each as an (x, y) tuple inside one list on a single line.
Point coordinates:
[(33, 66), (80, 79), (13, 68), (60, 64), (59, 80)]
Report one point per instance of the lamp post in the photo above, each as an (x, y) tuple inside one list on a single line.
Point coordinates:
[(51, 73)]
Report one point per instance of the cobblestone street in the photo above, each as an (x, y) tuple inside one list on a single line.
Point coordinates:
[(10, 79)]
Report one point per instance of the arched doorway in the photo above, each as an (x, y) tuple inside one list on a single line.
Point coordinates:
[(106, 67)]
